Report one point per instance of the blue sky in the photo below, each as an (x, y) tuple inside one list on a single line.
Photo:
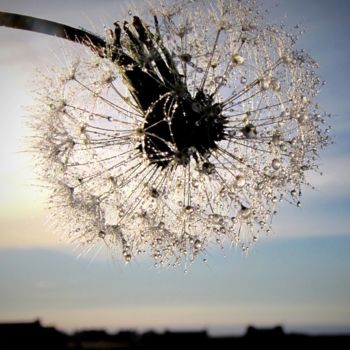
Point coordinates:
[(298, 277), (284, 282)]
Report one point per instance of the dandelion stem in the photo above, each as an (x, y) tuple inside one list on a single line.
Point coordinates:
[(38, 25)]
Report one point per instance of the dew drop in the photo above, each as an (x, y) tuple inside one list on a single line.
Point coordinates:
[(237, 59), (264, 84), (196, 107), (260, 186), (185, 57), (208, 168), (276, 164), (245, 212), (197, 244), (189, 209), (286, 59), (231, 133), (249, 131), (275, 84), (195, 183), (303, 118), (222, 230), (240, 181), (276, 138), (154, 193)]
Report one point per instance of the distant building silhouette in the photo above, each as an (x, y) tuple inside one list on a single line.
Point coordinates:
[(32, 335), (174, 340), (100, 339), (265, 332)]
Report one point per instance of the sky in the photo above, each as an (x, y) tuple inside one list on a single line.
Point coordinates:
[(298, 277)]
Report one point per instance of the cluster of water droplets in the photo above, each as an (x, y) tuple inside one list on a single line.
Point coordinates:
[(104, 190)]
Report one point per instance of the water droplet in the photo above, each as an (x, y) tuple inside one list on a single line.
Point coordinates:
[(294, 141), (189, 209), (231, 133), (240, 181), (195, 183), (260, 186), (276, 164), (286, 59), (304, 100), (249, 131), (154, 193), (197, 244), (275, 84), (185, 57), (196, 107), (264, 83), (214, 64), (208, 168), (276, 138), (245, 212), (303, 118), (237, 59), (218, 79)]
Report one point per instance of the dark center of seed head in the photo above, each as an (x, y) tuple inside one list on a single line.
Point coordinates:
[(178, 128)]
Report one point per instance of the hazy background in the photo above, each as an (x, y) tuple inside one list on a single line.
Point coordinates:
[(299, 278)]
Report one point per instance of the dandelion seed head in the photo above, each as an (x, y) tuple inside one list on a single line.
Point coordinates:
[(198, 151)]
